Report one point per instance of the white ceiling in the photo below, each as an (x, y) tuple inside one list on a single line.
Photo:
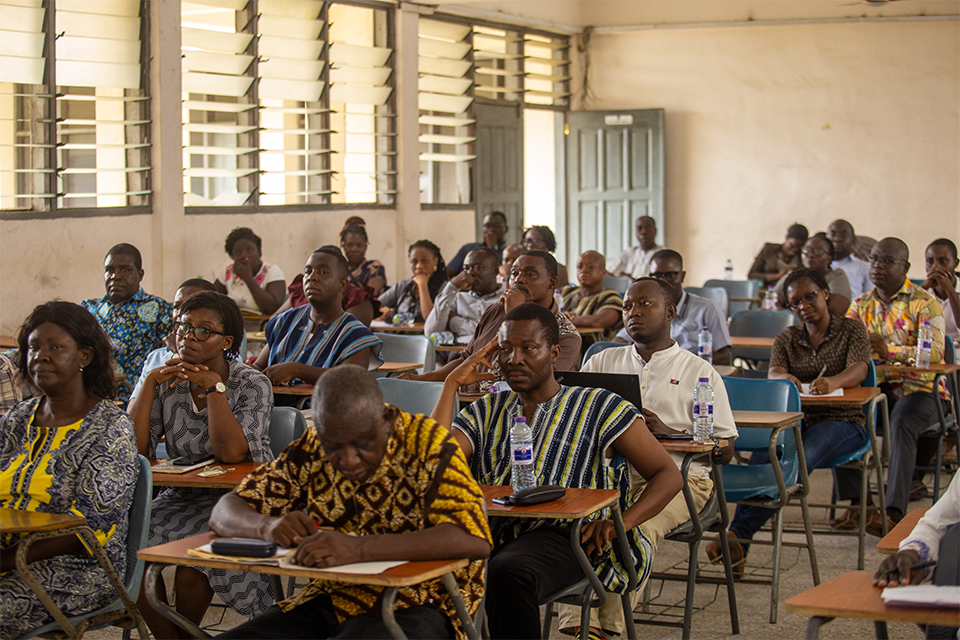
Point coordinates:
[(624, 13)]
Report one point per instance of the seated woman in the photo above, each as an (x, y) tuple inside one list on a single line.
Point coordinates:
[(357, 301), (416, 295), (777, 260), (363, 272), (55, 449), (204, 404), (253, 284), (541, 238), (304, 342), (829, 353), (817, 254), (590, 305)]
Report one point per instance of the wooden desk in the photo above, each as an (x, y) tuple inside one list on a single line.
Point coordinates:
[(399, 367), (585, 331), (379, 326), (941, 368), (766, 419), (465, 397), (19, 521), (726, 369), (229, 480), (8, 342), (257, 336), (407, 574), (852, 397), (751, 341), (890, 543), (451, 348), (853, 595), (253, 315)]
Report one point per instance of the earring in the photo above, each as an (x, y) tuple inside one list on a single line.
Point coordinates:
[(81, 368)]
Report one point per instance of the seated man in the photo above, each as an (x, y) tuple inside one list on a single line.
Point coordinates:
[(136, 321), (367, 482), (635, 261), (936, 538), (575, 434), (507, 257), (693, 311), (494, 237), (840, 233), (463, 299), (892, 313), (532, 279), (667, 376), (168, 351), (303, 343), (590, 305), (941, 262), (776, 260)]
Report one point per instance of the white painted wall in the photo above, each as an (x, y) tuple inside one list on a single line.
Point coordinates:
[(767, 125)]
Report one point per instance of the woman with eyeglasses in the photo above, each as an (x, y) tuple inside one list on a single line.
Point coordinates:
[(827, 353), (205, 404), (541, 238), (817, 254)]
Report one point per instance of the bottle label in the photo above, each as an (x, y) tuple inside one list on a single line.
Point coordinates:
[(522, 454), (704, 349), (926, 344)]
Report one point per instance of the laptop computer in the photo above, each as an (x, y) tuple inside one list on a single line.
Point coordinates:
[(625, 385)]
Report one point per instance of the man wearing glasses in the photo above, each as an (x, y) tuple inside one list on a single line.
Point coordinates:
[(892, 313), (817, 254), (693, 311)]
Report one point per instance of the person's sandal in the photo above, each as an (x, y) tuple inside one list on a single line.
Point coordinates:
[(593, 634)]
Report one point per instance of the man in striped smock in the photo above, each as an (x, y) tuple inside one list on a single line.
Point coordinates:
[(576, 432)]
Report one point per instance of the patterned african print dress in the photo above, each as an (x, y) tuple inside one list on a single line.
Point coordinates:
[(88, 468), (183, 512)]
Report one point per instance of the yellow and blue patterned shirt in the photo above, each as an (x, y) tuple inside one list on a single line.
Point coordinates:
[(898, 323), (136, 327)]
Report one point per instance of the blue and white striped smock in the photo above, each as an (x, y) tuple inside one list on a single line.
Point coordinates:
[(292, 337), (571, 432), (182, 512)]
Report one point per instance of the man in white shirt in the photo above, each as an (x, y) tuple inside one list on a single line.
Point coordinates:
[(667, 376), (941, 262), (635, 261), (463, 299), (844, 240)]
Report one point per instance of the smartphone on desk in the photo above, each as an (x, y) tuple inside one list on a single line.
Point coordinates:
[(188, 461), (673, 436)]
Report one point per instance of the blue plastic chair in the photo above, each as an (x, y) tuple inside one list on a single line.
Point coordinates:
[(620, 284), (772, 484), (286, 425), (716, 294), (944, 422), (746, 290), (121, 610), (413, 396), (597, 347), (759, 324), (407, 348)]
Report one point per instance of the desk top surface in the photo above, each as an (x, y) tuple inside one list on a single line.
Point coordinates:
[(19, 521), (379, 326), (852, 397), (853, 595), (890, 543), (751, 341), (940, 367), (229, 480), (766, 419), (577, 503), (406, 574)]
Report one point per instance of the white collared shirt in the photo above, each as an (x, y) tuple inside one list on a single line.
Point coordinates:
[(458, 311), (667, 383), (858, 274), (634, 261)]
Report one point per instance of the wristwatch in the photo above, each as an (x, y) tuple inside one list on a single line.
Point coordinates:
[(217, 388)]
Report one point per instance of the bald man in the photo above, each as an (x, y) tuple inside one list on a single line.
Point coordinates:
[(892, 312), (590, 305), (635, 261)]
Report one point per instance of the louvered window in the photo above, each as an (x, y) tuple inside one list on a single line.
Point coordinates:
[(546, 66), (302, 112), (73, 134)]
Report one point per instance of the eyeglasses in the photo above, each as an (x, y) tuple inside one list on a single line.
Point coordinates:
[(884, 260), (669, 276), (200, 333), (809, 299), (813, 252)]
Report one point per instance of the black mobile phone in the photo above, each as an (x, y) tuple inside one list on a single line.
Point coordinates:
[(673, 436), (187, 461), (244, 547), (505, 500)]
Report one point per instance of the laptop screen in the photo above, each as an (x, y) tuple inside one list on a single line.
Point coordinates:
[(625, 385)]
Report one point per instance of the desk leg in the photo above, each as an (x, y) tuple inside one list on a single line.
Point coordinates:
[(725, 545), (880, 628), (36, 587), (389, 599), (813, 627), (450, 582), (150, 578), (629, 625)]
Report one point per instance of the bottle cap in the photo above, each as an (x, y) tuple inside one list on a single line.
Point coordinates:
[(520, 419), (703, 379), (705, 328)]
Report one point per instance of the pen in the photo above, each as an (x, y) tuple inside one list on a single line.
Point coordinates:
[(822, 371), (916, 567)]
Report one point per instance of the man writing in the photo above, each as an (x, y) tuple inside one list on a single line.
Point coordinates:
[(892, 313), (136, 321), (367, 482), (692, 311), (533, 278), (667, 376), (494, 237), (463, 299), (635, 261), (534, 558)]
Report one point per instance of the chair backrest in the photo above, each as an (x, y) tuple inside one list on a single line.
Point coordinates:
[(408, 348), (138, 527), (759, 324), (737, 289), (949, 351), (597, 347), (286, 425), (871, 378), (617, 283), (753, 394), (717, 294), (413, 396)]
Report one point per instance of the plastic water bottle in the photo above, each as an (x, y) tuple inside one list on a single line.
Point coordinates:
[(705, 344), (521, 454), (703, 411), (401, 318), (442, 337), (770, 300), (924, 345), (728, 270)]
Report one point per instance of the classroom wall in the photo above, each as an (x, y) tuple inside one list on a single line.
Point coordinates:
[(767, 125)]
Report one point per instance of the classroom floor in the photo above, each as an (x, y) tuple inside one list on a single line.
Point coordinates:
[(836, 555)]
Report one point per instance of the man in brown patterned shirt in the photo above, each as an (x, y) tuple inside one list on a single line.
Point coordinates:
[(368, 483)]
